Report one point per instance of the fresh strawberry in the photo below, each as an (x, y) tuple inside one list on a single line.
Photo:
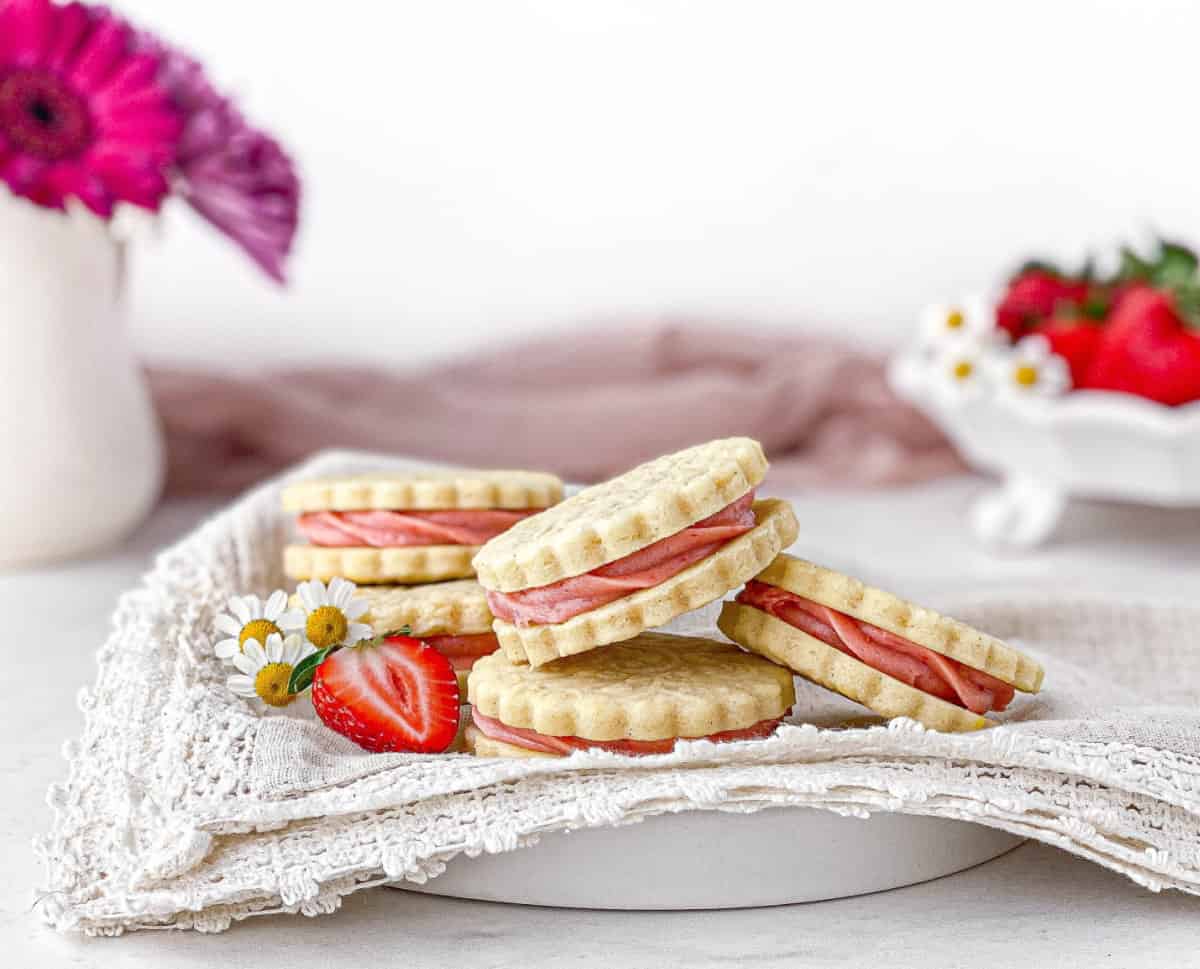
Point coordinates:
[(398, 694), (1075, 339), (1148, 349), (1035, 294)]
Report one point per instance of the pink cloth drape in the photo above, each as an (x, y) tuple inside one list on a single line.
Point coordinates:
[(585, 405)]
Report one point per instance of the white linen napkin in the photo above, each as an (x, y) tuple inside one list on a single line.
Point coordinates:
[(186, 808)]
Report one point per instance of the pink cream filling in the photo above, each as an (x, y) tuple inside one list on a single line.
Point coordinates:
[(645, 568), (893, 655), (463, 651), (391, 529), (546, 744)]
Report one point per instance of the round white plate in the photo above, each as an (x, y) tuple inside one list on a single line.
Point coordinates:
[(710, 859)]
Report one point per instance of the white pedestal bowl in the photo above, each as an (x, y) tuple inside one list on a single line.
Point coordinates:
[(1087, 444)]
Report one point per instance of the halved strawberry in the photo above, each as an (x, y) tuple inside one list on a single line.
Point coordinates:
[(398, 694)]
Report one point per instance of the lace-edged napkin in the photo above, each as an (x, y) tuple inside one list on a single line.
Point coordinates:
[(184, 808)]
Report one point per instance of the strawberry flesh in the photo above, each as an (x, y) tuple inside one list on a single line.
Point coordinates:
[(397, 695)]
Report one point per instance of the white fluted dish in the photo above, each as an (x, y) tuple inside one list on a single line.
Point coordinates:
[(1088, 444)]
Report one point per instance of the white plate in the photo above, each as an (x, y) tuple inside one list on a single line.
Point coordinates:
[(708, 859)]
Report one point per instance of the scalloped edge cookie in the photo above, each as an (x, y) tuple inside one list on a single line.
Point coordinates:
[(812, 659), (433, 489), (456, 608), (618, 517), (922, 626), (697, 585), (653, 687), (416, 563)]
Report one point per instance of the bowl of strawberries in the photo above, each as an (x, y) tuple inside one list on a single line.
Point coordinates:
[(1068, 384)]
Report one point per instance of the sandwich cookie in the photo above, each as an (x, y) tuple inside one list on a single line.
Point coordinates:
[(636, 697), (898, 659), (407, 526), (634, 552), (452, 617)]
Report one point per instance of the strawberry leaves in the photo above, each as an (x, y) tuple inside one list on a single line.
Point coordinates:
[(1174, 265), (302, 673)]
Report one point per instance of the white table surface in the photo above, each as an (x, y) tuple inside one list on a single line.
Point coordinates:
[(1033, 907)]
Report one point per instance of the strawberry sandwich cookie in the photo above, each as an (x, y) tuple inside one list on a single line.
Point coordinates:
[(452, 617), (637, 697), (898, 659), (407, 526), (634, 552)]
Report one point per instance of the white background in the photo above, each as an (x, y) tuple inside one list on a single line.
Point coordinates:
[(476, 169)]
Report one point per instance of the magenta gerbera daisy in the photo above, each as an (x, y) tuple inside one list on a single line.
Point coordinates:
[(82, 113)]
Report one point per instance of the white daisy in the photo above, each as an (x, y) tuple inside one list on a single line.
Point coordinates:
[(961, 371), (968, 321), (264, 671), (330, 613), (1032, 369), (249, 617)]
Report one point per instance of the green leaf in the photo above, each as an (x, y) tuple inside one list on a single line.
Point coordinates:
[(302, 673), (1176, 264), (1187, 303), (1173, 266), (1133, 266), (1096, 306)]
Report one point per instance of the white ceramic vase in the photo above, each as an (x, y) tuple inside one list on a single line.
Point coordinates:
[(83, 452)]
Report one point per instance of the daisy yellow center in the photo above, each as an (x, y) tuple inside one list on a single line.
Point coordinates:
[(963, 369), (258, 629), (955, 319), (1026, 375), (271, 684), (326, 626)]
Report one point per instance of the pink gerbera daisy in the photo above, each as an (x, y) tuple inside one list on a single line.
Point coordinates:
[(82, 112)]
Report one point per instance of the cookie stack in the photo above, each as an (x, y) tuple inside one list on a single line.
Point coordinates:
[(407, 538), (575, 589), (555, 644)]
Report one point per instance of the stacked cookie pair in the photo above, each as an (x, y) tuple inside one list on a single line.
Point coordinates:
[(575, 590), (407, 539), (556, 645)]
